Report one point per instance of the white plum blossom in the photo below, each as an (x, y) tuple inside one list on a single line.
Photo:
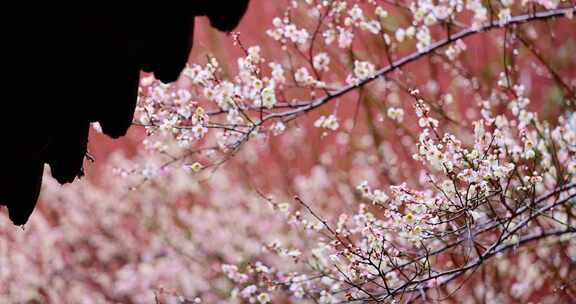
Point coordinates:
[(363, 69), (345, 38), (303, 76), (395, 114), (327, 122), (321, 62)]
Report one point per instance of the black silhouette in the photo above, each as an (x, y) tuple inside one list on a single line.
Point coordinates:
[(63, 71)]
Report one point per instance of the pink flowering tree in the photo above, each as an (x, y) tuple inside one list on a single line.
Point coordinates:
[(372, 151)]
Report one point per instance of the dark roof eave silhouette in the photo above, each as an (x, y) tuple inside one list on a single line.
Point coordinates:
[(67, 70)]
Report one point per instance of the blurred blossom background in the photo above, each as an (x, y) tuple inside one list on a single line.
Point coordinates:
[(287, 165)]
